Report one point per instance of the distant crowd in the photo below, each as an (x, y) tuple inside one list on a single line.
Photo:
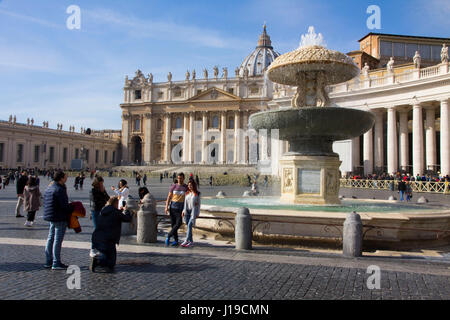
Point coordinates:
[(401, 176)]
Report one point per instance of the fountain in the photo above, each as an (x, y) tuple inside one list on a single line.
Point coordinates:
[(309, 208), (310, 170)]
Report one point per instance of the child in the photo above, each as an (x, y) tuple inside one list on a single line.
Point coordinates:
[(32, 200)]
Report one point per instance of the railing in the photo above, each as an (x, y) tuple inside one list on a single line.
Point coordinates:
[(379, 81), (416, 186)]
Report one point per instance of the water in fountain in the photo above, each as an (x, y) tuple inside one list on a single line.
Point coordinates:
[(312, 39)]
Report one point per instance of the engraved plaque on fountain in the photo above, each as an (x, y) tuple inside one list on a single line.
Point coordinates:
[(309, 181)]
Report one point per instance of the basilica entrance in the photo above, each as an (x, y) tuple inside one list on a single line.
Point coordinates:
[(136, 142)]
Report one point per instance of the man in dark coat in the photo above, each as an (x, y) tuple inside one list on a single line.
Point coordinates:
[(21, 183), (57, 211), (107, 234)]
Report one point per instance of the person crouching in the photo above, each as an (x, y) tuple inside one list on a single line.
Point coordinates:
[(107, 234)]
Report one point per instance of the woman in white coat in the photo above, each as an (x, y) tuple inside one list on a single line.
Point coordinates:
[(122, 192), (191, 211)]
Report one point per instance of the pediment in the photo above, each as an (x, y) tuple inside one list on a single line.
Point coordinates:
[(214, 94)]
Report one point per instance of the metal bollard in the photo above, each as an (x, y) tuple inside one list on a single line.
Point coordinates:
[(353, 235), (243, 230), (147, 224)]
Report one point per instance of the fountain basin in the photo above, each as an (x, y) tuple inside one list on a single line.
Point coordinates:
[(321, 226), (312, 130)]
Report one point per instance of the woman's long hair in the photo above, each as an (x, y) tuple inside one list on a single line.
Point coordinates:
[(96, 182), (194, 187), (32, 181)]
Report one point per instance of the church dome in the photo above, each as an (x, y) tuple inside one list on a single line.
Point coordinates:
[(260, 59)]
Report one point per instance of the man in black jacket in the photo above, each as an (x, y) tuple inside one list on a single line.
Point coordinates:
[(107, 234), (57, 211), (20, 186)]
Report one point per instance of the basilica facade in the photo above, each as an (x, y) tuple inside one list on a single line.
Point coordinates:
[(200, 120)]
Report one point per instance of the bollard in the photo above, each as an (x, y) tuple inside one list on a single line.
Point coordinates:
[(353, 233), (243, 230), (147, 224), (130, 229)]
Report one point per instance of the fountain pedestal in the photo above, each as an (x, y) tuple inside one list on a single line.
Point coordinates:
[(310, 179)]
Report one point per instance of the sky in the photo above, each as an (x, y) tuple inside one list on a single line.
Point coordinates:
[(49, 72)]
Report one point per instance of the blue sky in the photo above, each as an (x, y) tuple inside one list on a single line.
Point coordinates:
[(75, 77)]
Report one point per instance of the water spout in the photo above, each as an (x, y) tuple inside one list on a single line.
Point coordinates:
[(312, 39)]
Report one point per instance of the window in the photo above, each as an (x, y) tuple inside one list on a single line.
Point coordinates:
[(97, 153), (113, 157), (436, 53), (52, 155), (19, 153), (231, 90), (37, 150), (137, 94), (65, 155), (254, 90), (105, 158), (215, 122), (160, 95), (177, 92), (399, 49), (2, 150), (178, 123), (137, 125), (199, 91), (77, 153), (87, 155), (230, 123), (425, 51), (411, 49), (386, 48)]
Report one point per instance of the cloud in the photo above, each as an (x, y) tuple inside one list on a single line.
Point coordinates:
[(32, 19), (166, 30)]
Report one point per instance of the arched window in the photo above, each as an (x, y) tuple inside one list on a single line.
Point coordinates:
[(215, 122), (137, 124), (230, 123), (178, 123)]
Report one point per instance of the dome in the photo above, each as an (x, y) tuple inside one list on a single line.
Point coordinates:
[(260, 59)]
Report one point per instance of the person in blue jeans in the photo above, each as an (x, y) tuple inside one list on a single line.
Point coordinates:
[(191, 211), (57, 210)]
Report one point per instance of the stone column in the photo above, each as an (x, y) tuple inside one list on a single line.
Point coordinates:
[(404, 140), (204, 137), (125, 137), (185, 138), (191, 156), (392, 142), (379, 140), (445, 138), (148, 143), (355, 153), (237, 140), (368, 152), (430, 138), (418, 152), (246, 138), (223, 130), (168, 147)]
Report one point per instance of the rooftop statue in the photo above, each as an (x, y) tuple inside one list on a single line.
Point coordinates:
[(205, 73), (150, 78), (169, 76), (417, 60), (188, 75), (366, 69), (390, 65), (216, 72), (225, 73), (444, 54), (193, 75)]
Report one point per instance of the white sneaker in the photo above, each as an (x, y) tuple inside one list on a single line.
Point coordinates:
[(184, 244), (27, 224)]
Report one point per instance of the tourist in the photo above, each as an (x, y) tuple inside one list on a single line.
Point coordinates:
[(174, 207), (197, 181), (191, 211), (401, 189), (107, 234), (20, 186), (138, 179), (57, 210), (32, 200), (210, 181), (122, 192), (82, 177), (255, 191), (77, 181), (408, 191), (266, 181), (99, 198), (144, 179), (161, 178)]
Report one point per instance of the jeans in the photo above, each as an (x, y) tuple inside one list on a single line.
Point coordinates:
[(19, 204), (190, 222), (175, 219), (54, 242), (401, 195), (31, 215), (108, 255), (94, 215)]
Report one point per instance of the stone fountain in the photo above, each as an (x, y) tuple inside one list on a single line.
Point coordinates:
[(310, 170)]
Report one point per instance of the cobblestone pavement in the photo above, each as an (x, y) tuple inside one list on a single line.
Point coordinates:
[(210, 270)]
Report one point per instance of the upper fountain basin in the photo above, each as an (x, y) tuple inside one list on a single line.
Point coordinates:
[(337, 66), (332, 123)]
